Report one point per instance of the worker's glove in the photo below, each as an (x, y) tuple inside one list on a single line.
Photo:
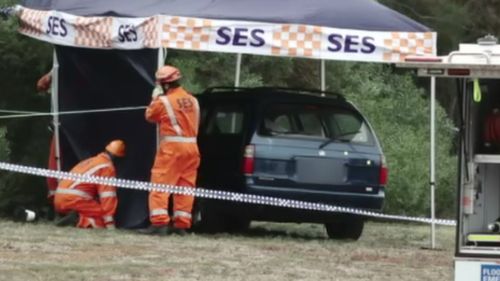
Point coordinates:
[(157, 91), (44, 84)]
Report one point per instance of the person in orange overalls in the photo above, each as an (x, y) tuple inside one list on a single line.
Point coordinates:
[(94, 203), (177, 158)]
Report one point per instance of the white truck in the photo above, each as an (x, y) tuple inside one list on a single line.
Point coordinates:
[(477, 70)]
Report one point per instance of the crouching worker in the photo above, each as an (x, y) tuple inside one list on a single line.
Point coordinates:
[(177, 158), (90, 205)]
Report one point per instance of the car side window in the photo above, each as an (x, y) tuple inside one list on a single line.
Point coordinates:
[(226, 120)]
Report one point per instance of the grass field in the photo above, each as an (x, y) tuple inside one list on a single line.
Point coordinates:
[(385, 252)]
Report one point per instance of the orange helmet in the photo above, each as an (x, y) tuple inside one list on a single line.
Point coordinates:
[(168, 74), (116, 148), (44, 82)]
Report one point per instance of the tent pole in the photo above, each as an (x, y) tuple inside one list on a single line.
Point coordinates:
[(236, 85), (323, 78), (433, 160), (238, 71), (162, 56), (55, 107)]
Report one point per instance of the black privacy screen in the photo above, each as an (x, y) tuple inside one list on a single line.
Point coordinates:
[(98, 79)]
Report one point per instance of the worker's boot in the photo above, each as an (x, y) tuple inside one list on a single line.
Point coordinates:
[(161, 230), (178, 231), (70, 219)]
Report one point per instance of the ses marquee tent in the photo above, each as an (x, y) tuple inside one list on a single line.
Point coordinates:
[(107, 51)]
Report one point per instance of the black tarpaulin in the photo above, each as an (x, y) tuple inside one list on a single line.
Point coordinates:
[(98, 79)]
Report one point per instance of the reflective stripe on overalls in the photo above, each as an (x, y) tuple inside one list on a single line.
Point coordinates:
[(157, 212), (90, 172), (107, 194), (178, 139), (71, 189), (76, 192), (171, 115), (182, 214)]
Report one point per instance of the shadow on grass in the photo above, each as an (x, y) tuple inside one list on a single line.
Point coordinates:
[(273, 231)]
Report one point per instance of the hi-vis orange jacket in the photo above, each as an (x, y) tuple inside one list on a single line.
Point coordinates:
[(177, 158), (95, 203), (177, 113)]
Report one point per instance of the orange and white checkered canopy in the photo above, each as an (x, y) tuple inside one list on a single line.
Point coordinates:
[(268, 30)]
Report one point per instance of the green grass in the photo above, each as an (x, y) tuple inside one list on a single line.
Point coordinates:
[(386, 251)]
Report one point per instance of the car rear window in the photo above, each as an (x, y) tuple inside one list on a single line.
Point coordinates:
[(318, 121)]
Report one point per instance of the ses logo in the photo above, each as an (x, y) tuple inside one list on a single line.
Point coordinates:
[(127, 33), (247, 37), (240, 37), (57, 26)]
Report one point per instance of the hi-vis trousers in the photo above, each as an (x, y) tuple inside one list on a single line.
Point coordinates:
[(177, 164)]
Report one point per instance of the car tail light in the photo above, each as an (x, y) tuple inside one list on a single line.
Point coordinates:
[(459, 71), (422, 59), (384, 172), (248, 160)]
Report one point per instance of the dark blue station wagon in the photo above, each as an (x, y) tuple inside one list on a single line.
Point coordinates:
[(292, 144)]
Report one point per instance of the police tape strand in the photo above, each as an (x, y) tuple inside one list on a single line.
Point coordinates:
[(23, 114), (212, 194)]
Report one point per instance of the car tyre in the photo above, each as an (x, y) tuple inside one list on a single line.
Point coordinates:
[(236, 224), (345, 228), (207, 219)]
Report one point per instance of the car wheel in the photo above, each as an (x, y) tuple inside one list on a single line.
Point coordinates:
[(207, 219), (196, 213), (236, 224), (346, 228)]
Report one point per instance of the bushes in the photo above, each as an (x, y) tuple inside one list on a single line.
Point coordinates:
[(23, 140), (399, 113)]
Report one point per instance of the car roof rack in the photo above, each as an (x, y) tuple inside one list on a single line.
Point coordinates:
[(276, 89)]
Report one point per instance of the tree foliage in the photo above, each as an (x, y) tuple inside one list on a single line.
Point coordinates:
[(455, 21), (400, 115), (23, 61)]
